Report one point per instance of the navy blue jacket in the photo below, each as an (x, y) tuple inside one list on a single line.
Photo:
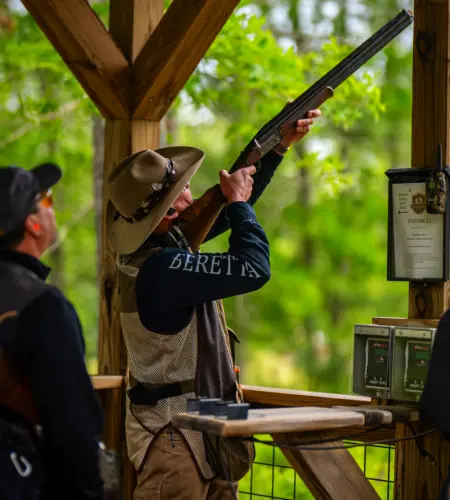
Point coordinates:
[(47, 345), (173, 281)]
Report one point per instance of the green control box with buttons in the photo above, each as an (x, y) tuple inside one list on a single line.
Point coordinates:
[(371, 360), (411, 354)]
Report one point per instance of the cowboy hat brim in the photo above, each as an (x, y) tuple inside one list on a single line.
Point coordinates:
[(126, 237)]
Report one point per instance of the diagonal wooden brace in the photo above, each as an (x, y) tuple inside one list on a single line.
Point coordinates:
[(88, 49), (174, 50), (328, 474)]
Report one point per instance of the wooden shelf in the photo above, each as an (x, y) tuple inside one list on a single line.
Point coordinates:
[(291, 397), (427, 323)]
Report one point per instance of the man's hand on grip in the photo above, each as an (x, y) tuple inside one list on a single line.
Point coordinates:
[(238, 185)]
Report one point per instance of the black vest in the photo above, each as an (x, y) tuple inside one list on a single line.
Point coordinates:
[(18, 288)]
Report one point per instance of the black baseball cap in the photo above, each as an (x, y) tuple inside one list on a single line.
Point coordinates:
[(18, 191)]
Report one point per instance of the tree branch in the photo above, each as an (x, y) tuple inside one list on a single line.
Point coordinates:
[(64, 230), (28, 127)]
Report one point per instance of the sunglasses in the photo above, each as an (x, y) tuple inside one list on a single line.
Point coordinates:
[(45, 198)]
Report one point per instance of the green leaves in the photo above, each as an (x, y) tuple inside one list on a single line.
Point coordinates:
[(325, 211)]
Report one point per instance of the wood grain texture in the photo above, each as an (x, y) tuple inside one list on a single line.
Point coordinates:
[(87, 48), (145, 134), (122, 138), (373, 415), (174, 50), (112, 402), (366, 434), (102, 382), (291, 397), (328, 474), (271, 420), (111, 351), (416, 478), (132, 22), (386, 413), (426, 323), (430, 115)]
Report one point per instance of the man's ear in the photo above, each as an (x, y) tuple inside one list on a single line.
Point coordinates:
[(33, 226)]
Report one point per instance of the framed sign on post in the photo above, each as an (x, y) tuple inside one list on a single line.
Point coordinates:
[(417, 240)]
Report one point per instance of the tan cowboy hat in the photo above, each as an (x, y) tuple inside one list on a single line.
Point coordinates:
[(141, 188)]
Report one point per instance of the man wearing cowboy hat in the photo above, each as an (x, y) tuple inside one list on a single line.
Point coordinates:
[(178, 343)]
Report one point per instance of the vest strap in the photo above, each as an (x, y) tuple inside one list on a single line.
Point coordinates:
[(142, 393)]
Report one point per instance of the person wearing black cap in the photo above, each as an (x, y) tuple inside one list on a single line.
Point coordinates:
[(50, 420)]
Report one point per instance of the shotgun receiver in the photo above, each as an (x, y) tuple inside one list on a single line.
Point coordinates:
[(196, 221)]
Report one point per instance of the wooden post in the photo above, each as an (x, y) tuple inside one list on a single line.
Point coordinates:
[(131, 23), (132, 78), (430, 115), (416, 477)]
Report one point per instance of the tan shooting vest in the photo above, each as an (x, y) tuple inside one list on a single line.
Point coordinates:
[(164, 359)]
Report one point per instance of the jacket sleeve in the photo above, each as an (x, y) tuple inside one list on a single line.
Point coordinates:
[(52, 354), (174, 279), (262, 178), (434, 404)]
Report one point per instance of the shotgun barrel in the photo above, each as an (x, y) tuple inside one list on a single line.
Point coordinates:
[(270, 134), (197, 220)]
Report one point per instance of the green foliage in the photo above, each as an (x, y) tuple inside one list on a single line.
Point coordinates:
[(325, 212), (328, 251)]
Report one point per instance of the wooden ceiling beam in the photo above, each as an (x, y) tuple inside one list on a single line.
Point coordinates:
[(174, 50), (131, 23), (88, 49)]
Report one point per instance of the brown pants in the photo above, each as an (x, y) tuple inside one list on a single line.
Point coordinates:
[(169, 473)]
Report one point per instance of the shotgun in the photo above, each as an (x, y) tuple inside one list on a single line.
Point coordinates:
[(196, 221)]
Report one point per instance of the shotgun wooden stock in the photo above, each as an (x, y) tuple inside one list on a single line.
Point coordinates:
[(197, 220)]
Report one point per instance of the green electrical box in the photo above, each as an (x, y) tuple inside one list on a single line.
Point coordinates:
[(411, 354), (371, 360)]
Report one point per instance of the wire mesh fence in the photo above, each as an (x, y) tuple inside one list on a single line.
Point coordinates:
[(272, 477)]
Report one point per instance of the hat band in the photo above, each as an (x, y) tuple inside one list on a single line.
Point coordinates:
[(160, 189)]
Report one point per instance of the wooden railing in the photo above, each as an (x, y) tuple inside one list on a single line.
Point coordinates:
[(111, 392)]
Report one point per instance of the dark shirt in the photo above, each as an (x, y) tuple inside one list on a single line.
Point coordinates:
[(48, 347), (173, 281)]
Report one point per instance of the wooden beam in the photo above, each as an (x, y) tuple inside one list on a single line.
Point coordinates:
[(422, 323), (328, 474), (132, 22), (85, 45), (416, 477), (174, 50), (430, 116), (270, 420), (291, 397), (122, 138)]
